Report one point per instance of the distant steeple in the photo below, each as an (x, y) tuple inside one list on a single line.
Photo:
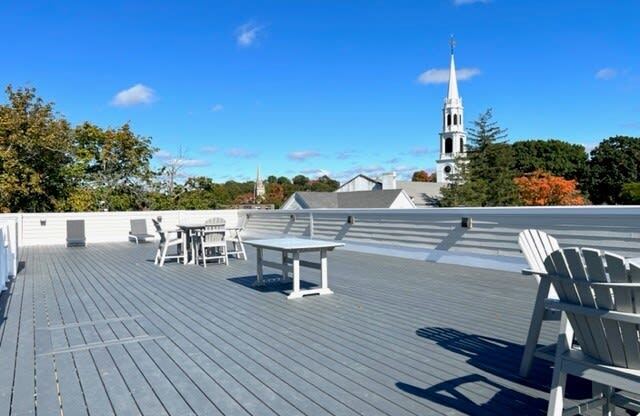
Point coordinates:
[(452, 93), (259, 190)]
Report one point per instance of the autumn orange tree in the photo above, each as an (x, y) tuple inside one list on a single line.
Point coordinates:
[(542, 188)]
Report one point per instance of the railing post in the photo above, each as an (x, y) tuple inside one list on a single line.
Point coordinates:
[(311, 225)]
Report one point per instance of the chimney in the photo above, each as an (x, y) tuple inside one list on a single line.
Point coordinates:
[(388, 180)]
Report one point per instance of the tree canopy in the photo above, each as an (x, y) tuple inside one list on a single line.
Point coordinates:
[(543, 188), (613, 163), (423, 176), (557, 157), (36, 151), (484, 175)]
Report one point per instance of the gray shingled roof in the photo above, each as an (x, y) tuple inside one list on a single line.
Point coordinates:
[(422, 193), (357, 199)]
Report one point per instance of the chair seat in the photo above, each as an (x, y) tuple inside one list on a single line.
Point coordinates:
[(141, 235), (578, 363)]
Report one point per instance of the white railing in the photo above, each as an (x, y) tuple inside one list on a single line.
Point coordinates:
[(437, 234), (433, 234), (8, 251)]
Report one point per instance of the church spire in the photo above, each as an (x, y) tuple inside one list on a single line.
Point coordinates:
[(452, 93)]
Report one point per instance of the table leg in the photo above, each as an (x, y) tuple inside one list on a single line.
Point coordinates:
[(324, 274), (285, 266), (259, 277), (296, 293), (185, 247)]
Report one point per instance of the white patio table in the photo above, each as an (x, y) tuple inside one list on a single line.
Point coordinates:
[(295, 246), (189, 242)]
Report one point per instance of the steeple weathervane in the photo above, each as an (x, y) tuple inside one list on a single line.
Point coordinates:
[(452, 43)]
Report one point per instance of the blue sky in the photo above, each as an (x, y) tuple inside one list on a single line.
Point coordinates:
[(312, 86)]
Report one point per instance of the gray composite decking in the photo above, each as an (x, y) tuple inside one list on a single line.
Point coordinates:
[(101, 330)]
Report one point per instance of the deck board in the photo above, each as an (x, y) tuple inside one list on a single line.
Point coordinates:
[(398, 337)]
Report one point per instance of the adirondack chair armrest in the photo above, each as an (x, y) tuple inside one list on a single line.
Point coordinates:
[(632, 318), (531, 272)]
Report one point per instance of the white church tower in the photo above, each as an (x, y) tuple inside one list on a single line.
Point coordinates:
[(453, 139)]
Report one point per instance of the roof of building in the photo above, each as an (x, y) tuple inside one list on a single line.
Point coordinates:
[(422, 193), (361, 176), (356, 199)]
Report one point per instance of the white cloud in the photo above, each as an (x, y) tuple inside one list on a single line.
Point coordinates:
[(209, 149), (217, 107), (465, 2), (316, 173), (247, 34), (138, 94), (241, 153), (189, 163), (194, 163), (301, 155), (606, 74), (162, 155), (419, 150), (169, 158), (441, 75), (345, 154)]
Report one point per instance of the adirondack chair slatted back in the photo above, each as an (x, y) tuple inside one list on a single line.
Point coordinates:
[(599, 282), (215, 223), (536, 245)]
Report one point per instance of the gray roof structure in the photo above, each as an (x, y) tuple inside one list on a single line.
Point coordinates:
[(422, 193), (356, 199), (360, 175)]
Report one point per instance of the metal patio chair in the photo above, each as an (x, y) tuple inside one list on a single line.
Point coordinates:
[(139, 230)]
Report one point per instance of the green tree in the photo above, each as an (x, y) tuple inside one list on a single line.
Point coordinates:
[(300, 180), (614, 162), (323, 184), (35, 154), (283, 180), (115, 163), (484, 176), (557, 157), (423, 176), (630, 193)]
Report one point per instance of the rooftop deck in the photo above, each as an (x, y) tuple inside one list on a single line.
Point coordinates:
[(102, 330)]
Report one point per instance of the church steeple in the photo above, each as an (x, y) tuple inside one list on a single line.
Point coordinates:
[(452, 138), (258, 191), (452, 93)]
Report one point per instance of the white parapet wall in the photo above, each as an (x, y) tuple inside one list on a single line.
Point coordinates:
[(436, 234), (101, 227), (432, 234), (8, 250)]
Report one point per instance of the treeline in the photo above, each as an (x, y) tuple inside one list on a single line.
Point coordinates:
[(542, 172), (46, 164)]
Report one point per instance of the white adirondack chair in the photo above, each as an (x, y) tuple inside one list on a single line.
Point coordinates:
[(600, 296), (536, 245), (235, 238), (212, 241), (168, 238)]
